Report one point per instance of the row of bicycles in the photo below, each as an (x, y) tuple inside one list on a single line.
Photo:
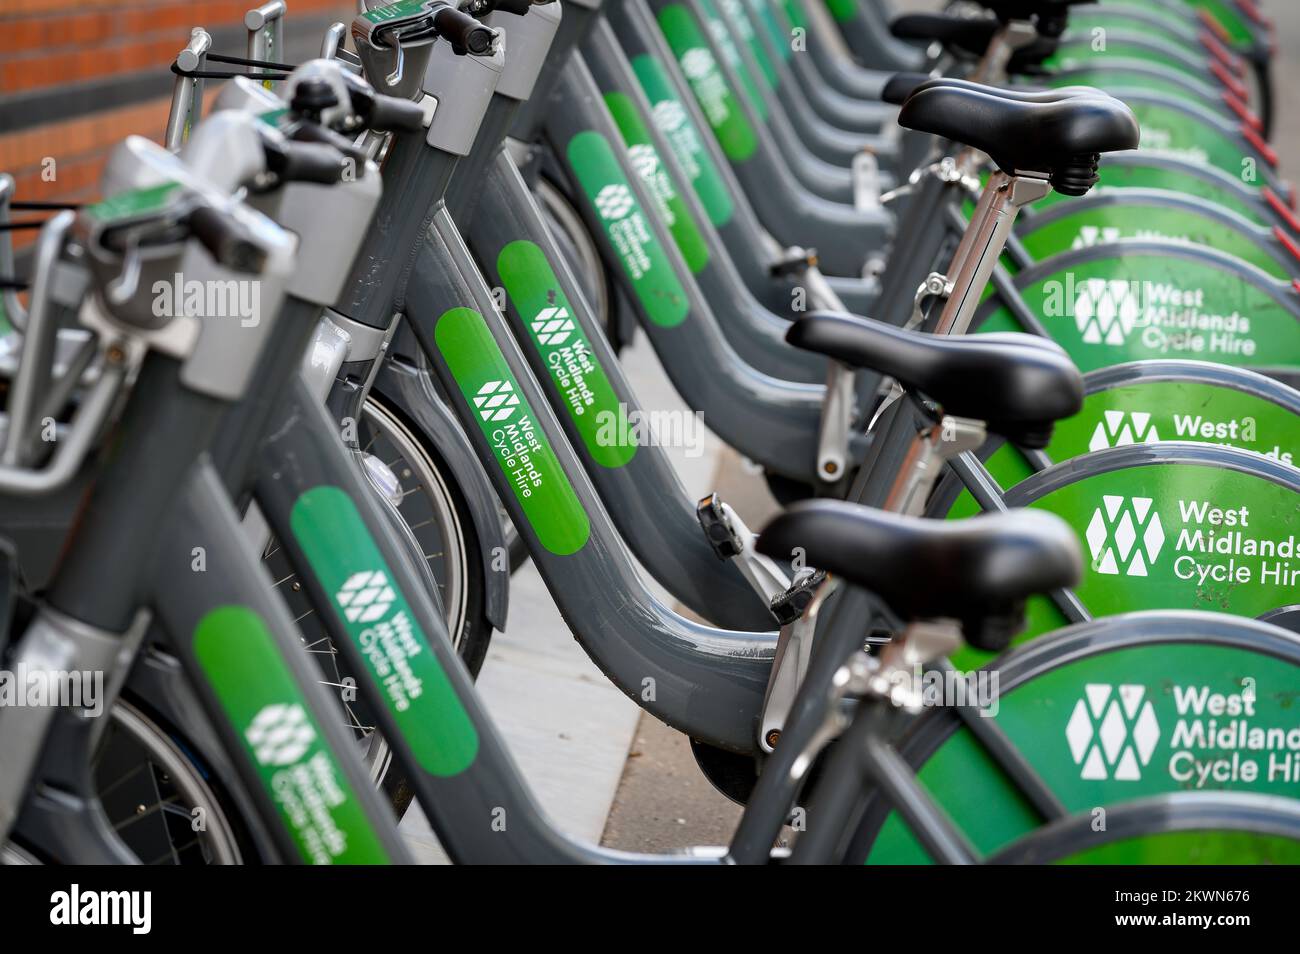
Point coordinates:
[(1000, 301)]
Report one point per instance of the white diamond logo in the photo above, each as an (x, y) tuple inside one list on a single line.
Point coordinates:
[(366, 597), (1112, 734), (552, 326), (669, 115), (614, 201), (1122, 428), (280, 734), (1105, 311), (697, 63), (496, 401), (1114, 532)]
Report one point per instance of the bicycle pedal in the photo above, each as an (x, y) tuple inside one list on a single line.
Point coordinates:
[(789, 606), (716, 528)]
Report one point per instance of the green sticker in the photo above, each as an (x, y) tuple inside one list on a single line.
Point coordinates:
[(1168, 536), (576, 375), (644, 158), (1168, 131), (794, 13), (1135, 18), (507, 421), (1149, 218), (1136, 304), (255, 687), (1232, 195), (735, 13), (1202, 846), (731, 54), (767, 21), (126, 205), (1076, 53), (276, 117), (1117, 79), (1121, 725), (597, 168), (1146, 411), (711, 90), (375, 613), (391, 11), (842, 10), (675, 123)]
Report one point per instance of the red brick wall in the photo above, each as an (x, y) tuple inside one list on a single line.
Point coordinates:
[(47, 44)]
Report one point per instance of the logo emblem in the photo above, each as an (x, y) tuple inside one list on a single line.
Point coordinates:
[(1120, 428), (669, 114), (280, 734), (365, 597), (614, 201), (1124, 535), (1090, 235), (697, 63), (496, 400), (644, 159), (1112, 734), (552, 326), (1106, 311)]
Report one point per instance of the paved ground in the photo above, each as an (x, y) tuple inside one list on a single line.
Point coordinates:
[(600, 769)]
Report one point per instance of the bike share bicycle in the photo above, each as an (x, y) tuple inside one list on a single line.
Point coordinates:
[(512, 390), (1045, 538)]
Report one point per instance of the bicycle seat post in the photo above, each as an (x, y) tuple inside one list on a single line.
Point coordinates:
[(982, 245), (1014, 35)]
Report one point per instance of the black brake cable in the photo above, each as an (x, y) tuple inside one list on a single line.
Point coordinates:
[(237, 61), (43, 206)]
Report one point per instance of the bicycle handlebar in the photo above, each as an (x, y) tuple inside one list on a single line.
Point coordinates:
[(305, 160), (463, 32), (225, 239), (390, 114)]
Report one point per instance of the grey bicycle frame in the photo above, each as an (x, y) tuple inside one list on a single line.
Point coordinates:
[(774, 423), (757, 334), (842, 234), (792, 118), (642, 494), (753, 250)]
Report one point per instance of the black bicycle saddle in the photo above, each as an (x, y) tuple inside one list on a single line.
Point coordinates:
[(902, 85), (1062, 139), (979, 570), (1019, 385), (965, 34)]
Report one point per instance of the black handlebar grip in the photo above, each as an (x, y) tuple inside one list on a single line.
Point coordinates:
[(225, 240), (465, 34), (516, 7), (311, 132), (393, 114), (308, 162)]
